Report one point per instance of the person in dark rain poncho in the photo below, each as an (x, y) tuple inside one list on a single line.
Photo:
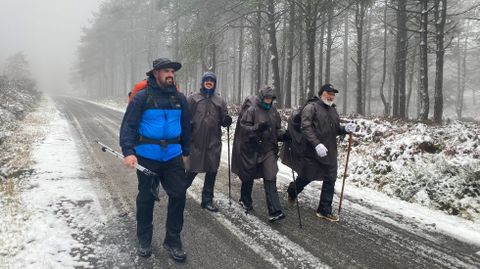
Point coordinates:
[(209, 114), (255, 150), (314, 157)]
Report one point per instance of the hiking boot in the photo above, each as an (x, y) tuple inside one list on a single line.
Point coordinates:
[(209, 206), (176, 253), (145, 252), (278, 216), (247, 208), (329, 217)]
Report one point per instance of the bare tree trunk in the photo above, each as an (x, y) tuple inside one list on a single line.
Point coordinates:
[(301, 85), (320, 53), (213, 55), (424, 99), (366, 67), (231, 97), (258, 51), (399, 91), (274, 51), (411, 74), (284, 52), (329, 43), (177, 39), (464, 66), (386, 104), (459, 101), (240, 61), (310, 31), (440, 17), (345, 65), (289, 62), (266, 68), (359, 20), (461, 72)]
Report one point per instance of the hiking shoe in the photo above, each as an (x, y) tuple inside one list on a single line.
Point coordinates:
[(247, 208), (329, 217), (277, 216), (145, 252), (209, 206), (176, 253)]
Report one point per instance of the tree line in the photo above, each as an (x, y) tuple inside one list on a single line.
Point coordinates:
[(396, 58)]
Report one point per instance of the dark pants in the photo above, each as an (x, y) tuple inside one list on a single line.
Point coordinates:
[(271, 195), (171, 175), (269, 170), (326, 196), (208, 185)]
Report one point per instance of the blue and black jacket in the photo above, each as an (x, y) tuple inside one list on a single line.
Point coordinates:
[(158, 114)]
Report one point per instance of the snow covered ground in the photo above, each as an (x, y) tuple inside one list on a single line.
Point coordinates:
[(51, 215)]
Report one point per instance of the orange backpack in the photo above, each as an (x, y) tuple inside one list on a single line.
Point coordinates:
[(141, 85)]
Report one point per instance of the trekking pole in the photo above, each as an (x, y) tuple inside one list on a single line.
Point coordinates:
[(155, 182), (295, 186), (140, 168), (345, 172), (229, 173)]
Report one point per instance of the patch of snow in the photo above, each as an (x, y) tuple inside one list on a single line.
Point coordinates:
[(58, 212)]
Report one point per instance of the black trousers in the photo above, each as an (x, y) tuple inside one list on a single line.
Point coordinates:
[(208, 185), (271, 195), (171, 175), (326, 196)]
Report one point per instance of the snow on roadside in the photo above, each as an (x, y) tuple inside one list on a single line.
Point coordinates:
[(118, 104), (55, 214)]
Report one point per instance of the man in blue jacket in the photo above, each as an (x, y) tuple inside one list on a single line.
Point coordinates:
[(155, 132)]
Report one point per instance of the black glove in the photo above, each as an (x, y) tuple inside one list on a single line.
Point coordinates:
[(227, 121), (284, 137), (262, 126)]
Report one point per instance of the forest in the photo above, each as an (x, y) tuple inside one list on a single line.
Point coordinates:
[(402, 59)]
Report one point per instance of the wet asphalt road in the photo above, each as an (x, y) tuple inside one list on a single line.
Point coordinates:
[(231, 239)]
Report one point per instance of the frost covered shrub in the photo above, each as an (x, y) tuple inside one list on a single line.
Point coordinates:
[(436, 166), (18, 97)]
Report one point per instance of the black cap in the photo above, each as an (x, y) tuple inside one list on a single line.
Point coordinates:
[(328, 88), (161, 63)]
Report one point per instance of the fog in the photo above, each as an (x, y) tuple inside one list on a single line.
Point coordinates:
[(48, 32)]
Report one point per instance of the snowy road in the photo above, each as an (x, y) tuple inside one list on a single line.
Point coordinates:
[(368, 236)]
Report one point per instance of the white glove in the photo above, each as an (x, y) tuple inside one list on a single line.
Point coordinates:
[(321, 150), (350, 127)]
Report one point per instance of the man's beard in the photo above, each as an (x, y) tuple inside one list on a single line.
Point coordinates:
[(167, 82), (328, 103)]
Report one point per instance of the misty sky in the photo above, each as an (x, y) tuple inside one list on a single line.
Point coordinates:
[(47, 31)]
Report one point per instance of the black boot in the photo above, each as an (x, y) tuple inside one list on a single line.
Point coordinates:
[(145, 252), (246, 207), (176, 253)]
